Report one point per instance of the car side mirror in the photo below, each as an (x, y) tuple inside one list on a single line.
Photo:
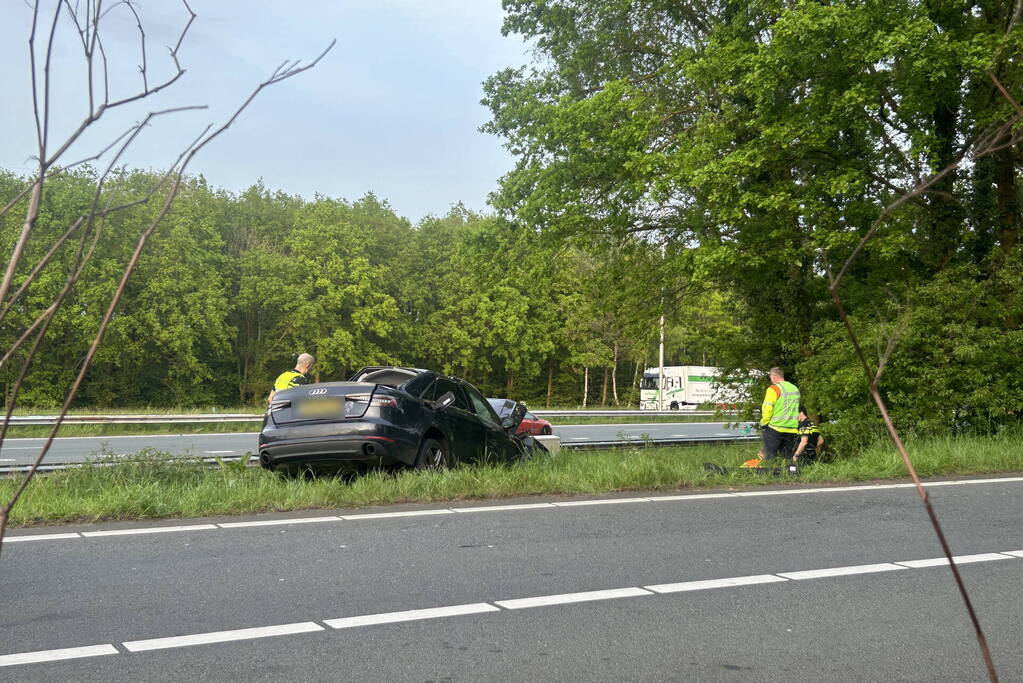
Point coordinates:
[(444, 401), (508, 422)]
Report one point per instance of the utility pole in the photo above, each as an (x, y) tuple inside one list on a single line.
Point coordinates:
[(660, 350)]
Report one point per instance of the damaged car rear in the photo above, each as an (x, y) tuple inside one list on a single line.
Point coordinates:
[(387, 417)]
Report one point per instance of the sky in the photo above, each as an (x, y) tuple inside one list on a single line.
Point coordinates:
[(393, 109)]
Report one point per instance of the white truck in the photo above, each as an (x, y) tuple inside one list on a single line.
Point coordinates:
[(685, 387)]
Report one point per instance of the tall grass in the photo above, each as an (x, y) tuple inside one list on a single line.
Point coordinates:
[(154, 486)]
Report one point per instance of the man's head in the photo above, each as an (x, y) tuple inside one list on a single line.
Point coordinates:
[(802, 412), (305, 363), (777, 374)]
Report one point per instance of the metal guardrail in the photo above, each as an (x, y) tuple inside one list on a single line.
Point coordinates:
[(257, 417), (135, 419)]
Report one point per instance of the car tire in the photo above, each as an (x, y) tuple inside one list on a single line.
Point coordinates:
[(433, 454), (674, 405), (546, 431)]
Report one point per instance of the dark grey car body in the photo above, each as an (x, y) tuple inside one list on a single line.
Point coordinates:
[(386, 416)]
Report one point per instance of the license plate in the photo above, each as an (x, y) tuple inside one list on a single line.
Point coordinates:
[(326, 406)]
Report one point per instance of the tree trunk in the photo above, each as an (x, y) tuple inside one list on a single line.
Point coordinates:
[(550, 380), (614, 376), (586, 384), (1008, 202), (510, 384), (603, 389)]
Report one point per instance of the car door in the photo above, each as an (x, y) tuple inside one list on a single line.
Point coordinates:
[(460, 422), (499, 444)]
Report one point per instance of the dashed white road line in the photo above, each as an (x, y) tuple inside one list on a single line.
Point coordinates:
[(600, 501), (483, 607), (39, 537), (841, 571), (959, 559), (387, 515), (278, 522), (411, 615), (149, 530), (56, 655), (221, 636), (219, 452), (714, 583), (502, 508), (569, 598)]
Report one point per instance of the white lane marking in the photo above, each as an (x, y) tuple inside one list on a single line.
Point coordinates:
[(501, 508), (411, 513), (601, 501), (410, 615), (20, 448), (841, 571), (692, 496), (774, 492), (38, 537), (55, 655), (149, 530), (579, 438), (277, 522), (959, 559), (714, 583), (218, 452), (221, 636), (1014, 553), (567, 598)]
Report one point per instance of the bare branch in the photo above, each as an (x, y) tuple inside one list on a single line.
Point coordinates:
[(988, 143), (287, 70)]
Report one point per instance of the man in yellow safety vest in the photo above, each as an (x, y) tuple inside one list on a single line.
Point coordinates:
[(779, 416), (294, 378)]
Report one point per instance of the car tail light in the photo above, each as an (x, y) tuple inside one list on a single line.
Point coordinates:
[(277, 405), (357, 404)]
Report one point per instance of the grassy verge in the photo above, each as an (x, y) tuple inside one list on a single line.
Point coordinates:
[(154, 488)]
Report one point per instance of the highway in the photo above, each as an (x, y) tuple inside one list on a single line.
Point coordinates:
[(812, 584), (16, 452)]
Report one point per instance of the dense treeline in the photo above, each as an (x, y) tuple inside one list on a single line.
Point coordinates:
[(234, 286), (710, 159), (760, 140)]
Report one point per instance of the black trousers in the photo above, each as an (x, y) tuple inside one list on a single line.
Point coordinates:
[(779, 443)]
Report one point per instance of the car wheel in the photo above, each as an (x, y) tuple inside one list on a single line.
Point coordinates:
[(432, 454), (546, 431), (674, 405)]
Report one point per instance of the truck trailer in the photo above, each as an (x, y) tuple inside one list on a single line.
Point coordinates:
[(685, 388)]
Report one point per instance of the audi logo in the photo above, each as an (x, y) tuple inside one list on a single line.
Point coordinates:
[(317, 392)]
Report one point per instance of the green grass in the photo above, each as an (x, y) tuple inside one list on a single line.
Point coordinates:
[(152, 487)]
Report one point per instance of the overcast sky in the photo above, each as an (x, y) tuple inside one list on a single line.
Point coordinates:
[(393, 109)]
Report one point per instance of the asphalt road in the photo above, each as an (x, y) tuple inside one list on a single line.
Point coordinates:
[(77, 449), (518, 587)]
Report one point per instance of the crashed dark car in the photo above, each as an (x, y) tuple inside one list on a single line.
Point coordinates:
[(386, 417)]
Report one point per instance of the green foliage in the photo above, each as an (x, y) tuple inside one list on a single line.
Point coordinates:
[(759, 141)]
